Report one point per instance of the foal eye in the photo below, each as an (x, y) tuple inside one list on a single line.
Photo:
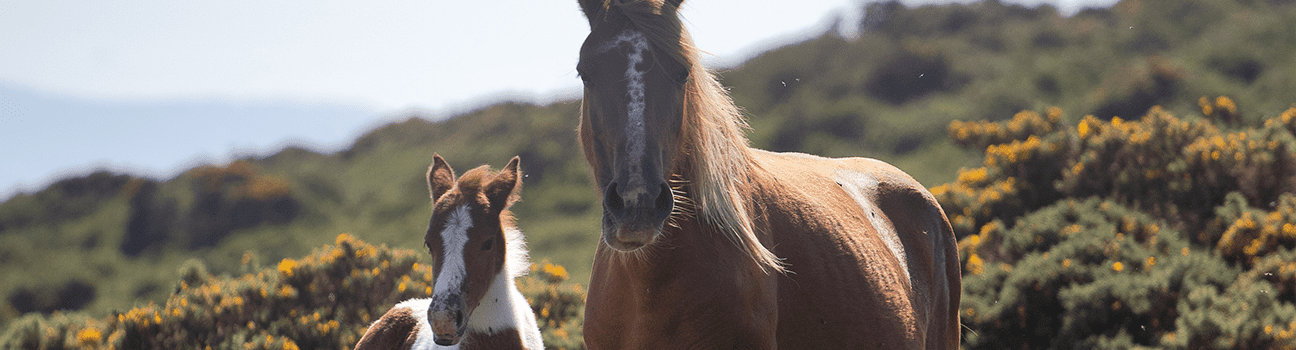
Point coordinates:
[(488, 244)]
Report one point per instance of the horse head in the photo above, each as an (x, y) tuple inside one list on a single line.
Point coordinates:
[(466, 238), (632, 113)]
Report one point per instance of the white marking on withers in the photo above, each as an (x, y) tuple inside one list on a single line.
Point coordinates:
[(635, 128), (453, 239), (861, 187)]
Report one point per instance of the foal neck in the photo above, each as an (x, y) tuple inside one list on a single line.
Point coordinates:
[(503, 319)]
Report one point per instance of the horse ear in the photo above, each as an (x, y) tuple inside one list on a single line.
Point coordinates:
[(440, 177), (593, 9), (675, 3), (502, 190)]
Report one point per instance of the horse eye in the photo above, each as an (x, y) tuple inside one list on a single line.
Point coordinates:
[(488, 244), (682, 77)]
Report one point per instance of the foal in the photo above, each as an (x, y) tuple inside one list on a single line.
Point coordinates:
[(478, 250)]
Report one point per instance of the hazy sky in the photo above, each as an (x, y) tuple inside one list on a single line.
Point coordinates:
[(153, 86)]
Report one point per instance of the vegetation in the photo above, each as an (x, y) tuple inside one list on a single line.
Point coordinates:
[(1156, 232), (1118, 178), (323, 301)]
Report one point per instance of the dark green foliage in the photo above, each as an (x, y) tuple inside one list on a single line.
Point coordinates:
[(63, 200), (1081, 274), (1185, 238), (323, 301)]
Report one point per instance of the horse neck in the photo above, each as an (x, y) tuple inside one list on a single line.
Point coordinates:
[(689, 245)]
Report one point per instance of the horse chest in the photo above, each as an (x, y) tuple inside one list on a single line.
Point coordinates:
[(678, 306)]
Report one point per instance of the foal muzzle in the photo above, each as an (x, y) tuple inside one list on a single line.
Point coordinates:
[(448, 321)]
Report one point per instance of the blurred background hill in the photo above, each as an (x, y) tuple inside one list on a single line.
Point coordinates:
[(935, 90)]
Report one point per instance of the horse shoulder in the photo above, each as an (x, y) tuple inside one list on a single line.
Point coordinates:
[(403, 327)]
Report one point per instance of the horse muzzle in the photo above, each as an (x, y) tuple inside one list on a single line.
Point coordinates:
[(633, 216), (448, 325)]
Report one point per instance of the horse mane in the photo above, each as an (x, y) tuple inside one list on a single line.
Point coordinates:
[(517, 261), (720, 163)]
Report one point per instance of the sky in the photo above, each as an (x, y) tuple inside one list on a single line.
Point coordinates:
[(154, 87)]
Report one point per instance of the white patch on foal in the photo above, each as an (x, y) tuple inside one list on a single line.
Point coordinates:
[(453, 239), (635, 129)]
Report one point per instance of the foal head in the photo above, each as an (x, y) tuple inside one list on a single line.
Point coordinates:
[(634, 72), (466, 238)]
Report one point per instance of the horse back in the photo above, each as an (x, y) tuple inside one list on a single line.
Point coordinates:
[(873, 259)]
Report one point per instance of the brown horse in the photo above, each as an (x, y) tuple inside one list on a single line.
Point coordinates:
[(709, 243), (479, 251)]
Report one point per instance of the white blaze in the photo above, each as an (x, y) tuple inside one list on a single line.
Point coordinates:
[(453, 239), (635, 129)]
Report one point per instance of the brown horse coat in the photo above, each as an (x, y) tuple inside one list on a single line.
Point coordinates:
[(834, 223), (709, 243)]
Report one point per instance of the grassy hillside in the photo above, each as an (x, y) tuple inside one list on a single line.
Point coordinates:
[(936, 90)]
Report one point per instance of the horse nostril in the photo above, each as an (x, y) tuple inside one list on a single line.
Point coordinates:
[(665, 202), (611, 199)]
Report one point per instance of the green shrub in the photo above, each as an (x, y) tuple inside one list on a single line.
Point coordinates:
[(1184, 239), (323, 301)]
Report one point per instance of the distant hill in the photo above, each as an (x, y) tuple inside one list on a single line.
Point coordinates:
[(109, 241), (35, 125)]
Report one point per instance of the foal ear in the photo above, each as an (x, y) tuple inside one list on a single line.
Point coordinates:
[(440, 177), (593, 9), (502, 190)]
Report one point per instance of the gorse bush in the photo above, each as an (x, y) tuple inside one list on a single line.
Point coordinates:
[(323, 301), (559, 307), (1160, 232)]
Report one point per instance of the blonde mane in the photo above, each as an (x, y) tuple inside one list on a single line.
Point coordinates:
[(720, 161)]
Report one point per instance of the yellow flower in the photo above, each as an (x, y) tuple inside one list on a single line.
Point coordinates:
[(1151, 260), (972, 176), (287, 291), (89, 337), (1054, 114), (286, 267), (1226, 104), (557, 271), (939, 190), (1118, 266), (1082, 129), (975, 265)]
